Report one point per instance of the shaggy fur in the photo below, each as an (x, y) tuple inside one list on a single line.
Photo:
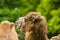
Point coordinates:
[(7, 31), (34, 26)]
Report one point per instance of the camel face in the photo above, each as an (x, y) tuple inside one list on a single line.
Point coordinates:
[(34, 26), (32, 21)]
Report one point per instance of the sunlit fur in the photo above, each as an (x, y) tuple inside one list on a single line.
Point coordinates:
[(7, 31)]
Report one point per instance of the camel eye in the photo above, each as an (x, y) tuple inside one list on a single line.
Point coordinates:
[(37, 20), (26, 20)]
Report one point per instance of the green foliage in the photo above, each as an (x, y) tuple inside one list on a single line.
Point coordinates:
[(21, 34), (11, 15), (54, 23), (51, 10), (13, 9)]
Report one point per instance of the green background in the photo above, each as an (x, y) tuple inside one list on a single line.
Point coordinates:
[(13, 9)]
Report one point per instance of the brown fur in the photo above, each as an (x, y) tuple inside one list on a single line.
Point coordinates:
[(34, 26), (7, 31)]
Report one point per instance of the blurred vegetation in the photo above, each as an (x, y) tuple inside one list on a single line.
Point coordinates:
[(13, 9)]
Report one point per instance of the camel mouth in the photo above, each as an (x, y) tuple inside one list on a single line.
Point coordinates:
[(20, 21)]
